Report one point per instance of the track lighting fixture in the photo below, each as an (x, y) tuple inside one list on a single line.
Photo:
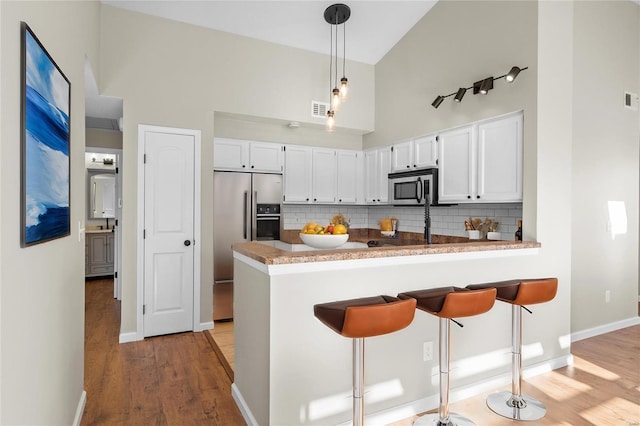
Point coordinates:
[(512, 74), (335, 15), (481, 86), (438, 101), (460, 94)]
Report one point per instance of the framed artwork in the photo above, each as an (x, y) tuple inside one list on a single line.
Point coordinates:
[(45, 142)]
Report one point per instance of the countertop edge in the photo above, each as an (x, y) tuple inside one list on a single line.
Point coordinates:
[(272, 257)]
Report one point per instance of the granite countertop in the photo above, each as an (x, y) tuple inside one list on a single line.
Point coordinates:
[(98, 231), (442, 244)]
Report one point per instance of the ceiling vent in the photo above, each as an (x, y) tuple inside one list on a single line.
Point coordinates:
[(319, 109)]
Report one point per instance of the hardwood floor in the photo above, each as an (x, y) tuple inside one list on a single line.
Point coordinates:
[(221, 339), (178, 380), (166, 380)]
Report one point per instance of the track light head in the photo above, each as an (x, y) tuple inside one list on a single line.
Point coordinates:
[(436, 103), (460, 94), (487, 84), (512, 74)]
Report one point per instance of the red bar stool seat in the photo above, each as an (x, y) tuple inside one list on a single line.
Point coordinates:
[(448, 303), (360, 318), (514, 404)]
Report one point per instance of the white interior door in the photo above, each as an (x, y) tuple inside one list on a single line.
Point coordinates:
[(169, 186)]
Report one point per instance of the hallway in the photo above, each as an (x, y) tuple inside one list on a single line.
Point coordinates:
[(165, 380)]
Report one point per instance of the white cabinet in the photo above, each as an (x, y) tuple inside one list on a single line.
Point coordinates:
[(99, 249), (500, 145), (349, 177), (297, 174), (230, 154), (456, 165), (482, 162), (249, 156), (376, 170), (322, 175), (324, 171), (417, 153)]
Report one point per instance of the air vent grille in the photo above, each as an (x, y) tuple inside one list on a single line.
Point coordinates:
[(319, 109)]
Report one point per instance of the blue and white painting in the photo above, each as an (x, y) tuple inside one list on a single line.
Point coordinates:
[(46, 146)]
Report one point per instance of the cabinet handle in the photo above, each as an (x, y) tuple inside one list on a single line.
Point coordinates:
[(340, 200), (252, 167), (243, 166), (408, 166), (307, 199), (469, 197), (315, 199), (477, 196), (414, 166)]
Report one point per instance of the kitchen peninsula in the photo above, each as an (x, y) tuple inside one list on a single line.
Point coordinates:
[(290, 369)]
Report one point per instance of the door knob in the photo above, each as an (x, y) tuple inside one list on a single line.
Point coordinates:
[(187, 243)]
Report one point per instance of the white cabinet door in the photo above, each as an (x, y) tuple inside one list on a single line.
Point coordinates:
[(457, 165), (402, 156), (425, 152), (265, 157), (500, 159), (230, 154), (347, 178), (371, 179), (384, 168), (324, 175), (297, 174)]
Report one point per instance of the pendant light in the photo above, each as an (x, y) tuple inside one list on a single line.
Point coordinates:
[(335, 15)]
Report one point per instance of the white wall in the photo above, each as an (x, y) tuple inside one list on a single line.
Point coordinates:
[(605, 161), (178, 75), (42, 287), (99, 138)]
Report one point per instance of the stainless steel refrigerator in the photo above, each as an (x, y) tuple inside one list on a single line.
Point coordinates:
[(246, 207)]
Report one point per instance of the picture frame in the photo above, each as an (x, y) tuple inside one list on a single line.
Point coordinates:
[(45, 138)]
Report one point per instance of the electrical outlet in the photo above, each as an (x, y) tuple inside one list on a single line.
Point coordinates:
[(607, 296), (427, 351)]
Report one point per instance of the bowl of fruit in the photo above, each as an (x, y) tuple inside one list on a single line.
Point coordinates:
[(324, 237)]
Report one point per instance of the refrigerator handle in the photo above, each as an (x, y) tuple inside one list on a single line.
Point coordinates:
[(244, 223), (254, 212)]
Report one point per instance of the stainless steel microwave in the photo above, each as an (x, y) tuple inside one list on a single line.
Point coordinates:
[(412, 188)]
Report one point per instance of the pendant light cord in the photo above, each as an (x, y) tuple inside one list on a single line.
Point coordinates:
[(344, 47), (331, 62)]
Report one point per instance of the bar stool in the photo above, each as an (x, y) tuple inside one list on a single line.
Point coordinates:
[(448, 303), (360, 318), (513, 404)]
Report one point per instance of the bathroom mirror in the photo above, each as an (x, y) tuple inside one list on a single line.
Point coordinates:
[(102, 195)]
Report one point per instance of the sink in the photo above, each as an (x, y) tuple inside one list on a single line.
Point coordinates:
[(394, 242)]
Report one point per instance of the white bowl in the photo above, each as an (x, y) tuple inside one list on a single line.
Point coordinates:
[(388, 233), (324, 241)]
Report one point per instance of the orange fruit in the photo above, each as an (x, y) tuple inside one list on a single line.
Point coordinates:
[(339, 229)]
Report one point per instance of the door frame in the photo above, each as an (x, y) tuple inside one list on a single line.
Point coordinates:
[(142, 129), (117, 278)]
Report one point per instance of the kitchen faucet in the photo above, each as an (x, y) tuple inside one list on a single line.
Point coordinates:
[(427, 219)]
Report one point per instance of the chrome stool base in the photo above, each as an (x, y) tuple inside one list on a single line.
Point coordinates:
[(508, 405), (434, 420)]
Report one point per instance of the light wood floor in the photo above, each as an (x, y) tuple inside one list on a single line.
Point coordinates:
[(601, 388), (178, 380), (221, 339), (166, 380)]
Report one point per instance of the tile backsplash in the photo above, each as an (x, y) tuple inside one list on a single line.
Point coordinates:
[(444, 220)]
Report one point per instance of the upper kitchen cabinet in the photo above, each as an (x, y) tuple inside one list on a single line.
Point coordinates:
[(349, 177), (324, 171), (297, 174), (417, 153), (247, 156), (500, 145), (322, 175), (377, 166), (482, 162)]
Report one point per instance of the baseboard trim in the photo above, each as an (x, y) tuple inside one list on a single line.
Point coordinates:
[(80, 408), (404, 411), (128, 337), (602, 329), (242, 406), (205, 326)]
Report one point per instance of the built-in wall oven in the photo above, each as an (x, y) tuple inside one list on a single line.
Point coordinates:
[(267, 226), (411, 188)]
